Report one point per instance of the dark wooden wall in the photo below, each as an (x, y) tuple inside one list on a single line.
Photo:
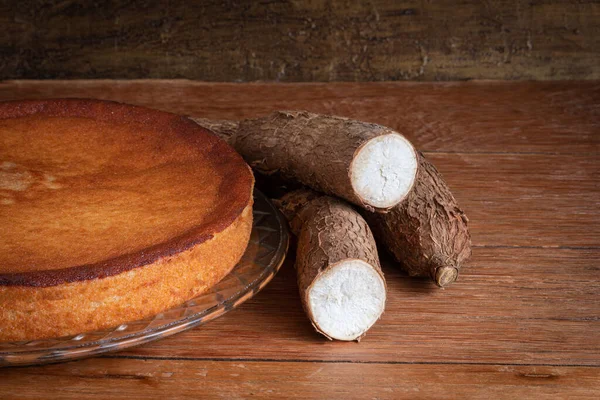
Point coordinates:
[(315, 40)]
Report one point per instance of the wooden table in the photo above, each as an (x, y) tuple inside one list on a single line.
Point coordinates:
[(523, 159)]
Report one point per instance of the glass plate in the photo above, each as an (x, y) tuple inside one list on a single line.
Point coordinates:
[(261, 261)]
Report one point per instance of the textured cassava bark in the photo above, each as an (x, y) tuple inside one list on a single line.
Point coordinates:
[(292, 203), (313, 149), (223, 128), (329, 233), (427, 233)]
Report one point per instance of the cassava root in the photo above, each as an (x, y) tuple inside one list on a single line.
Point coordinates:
[(426, 231), (366, 164), (341, 285)]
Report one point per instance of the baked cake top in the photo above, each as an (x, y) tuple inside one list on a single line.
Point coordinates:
[(92, 188)]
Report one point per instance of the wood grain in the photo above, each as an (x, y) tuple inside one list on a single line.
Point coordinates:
[(177, 379), (526, 199), (523, 160), (515, 306), (516, 117), (301, 41)]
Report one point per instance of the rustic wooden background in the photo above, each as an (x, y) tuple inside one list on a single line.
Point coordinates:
[(301, 41)]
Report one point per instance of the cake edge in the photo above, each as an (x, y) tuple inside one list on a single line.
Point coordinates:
[(31, 313)]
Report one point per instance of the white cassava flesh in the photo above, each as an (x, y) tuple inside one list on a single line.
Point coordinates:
[(346, 299), (383, 170)]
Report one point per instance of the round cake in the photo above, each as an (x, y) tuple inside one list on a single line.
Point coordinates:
[(110, 213)]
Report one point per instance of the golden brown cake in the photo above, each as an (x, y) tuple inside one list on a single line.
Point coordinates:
[(111, 213)]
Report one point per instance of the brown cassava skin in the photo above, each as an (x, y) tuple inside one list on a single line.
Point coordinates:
[(329, 232), (223, 128), (427, 233), (292, 203), (315, 150)]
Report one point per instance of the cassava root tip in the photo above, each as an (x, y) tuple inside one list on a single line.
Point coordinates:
[(445, 276)]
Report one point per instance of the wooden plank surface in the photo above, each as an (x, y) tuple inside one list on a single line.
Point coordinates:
[(513, 306), (527, 199), (136, 379), (496, 117), (523, 159), (301, 41)]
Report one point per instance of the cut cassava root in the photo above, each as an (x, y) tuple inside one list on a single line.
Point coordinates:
[(366, 164), (426, 231), (341, 285)]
